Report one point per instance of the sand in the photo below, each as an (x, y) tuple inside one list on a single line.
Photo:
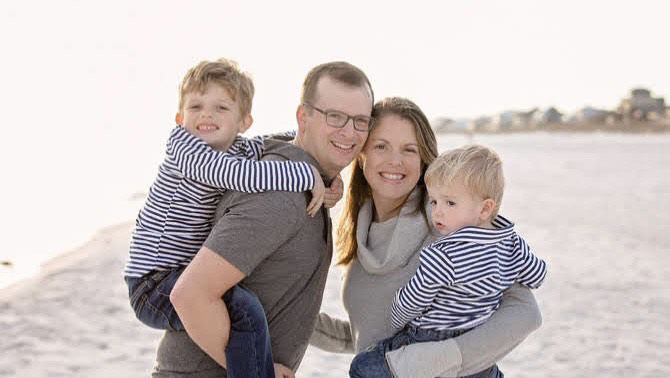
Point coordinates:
[(595, 207)]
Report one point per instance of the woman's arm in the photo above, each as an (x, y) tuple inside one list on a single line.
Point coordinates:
[(332, 335), (474, 351)]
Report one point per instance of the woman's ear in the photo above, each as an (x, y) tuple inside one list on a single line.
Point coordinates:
[(178, 118), (488, 206)]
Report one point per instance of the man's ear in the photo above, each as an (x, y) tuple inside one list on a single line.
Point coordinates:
[(246, 123), (488, 206), (300, 117), (178, 118)]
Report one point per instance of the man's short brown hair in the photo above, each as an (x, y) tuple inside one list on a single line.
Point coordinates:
[(343, 72)]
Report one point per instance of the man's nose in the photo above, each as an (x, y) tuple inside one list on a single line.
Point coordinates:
[(348, 128)]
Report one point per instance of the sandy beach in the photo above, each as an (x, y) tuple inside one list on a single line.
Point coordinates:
[(595, 206)]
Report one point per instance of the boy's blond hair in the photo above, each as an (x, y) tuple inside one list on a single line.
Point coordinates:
[(224, 72), (479, 167)]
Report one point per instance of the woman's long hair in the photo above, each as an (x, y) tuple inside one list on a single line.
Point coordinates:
[(359, 188)]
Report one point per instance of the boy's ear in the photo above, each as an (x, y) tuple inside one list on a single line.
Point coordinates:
[(178, 118), (487, 209), (246, 123)]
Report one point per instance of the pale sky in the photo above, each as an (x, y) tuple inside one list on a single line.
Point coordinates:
[(123, 59), (90, 86)]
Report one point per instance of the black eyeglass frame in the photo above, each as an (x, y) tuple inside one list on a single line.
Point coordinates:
[(371, 120)]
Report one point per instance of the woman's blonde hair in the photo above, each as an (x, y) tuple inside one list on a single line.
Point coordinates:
[(359, 188), (479, 167)]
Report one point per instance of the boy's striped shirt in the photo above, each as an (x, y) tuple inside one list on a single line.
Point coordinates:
[(461, 277), (178, 213)]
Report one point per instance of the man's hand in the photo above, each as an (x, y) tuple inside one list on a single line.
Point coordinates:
[(334, 192), (282, 371), (318, 192)]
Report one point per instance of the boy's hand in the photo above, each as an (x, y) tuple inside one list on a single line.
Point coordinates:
[(318, 192), (334, 192), (282, 371)]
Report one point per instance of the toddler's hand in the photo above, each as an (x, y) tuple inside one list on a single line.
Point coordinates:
[(318, 192), (333, 192), (282, 371)]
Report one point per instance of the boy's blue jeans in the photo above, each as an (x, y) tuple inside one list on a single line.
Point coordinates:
[(372, 361), (248, 354)]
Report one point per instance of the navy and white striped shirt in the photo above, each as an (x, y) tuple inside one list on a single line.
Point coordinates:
[(461, 277), (178, 213)]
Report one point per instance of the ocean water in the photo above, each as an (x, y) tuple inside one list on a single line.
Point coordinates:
[(59, 202)]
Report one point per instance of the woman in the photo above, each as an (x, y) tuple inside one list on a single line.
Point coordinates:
[(383, 226)]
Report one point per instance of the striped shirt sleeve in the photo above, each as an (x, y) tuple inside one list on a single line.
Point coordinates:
[(435, 271), (233, 169), (533, 270), (248, 148)]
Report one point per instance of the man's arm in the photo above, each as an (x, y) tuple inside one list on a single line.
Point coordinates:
[(232, 250), (196, 297), (473, 351)]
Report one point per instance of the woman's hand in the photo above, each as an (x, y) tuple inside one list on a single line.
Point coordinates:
[(282, 371)]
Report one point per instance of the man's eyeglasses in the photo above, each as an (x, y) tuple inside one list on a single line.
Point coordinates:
[(338, 119)]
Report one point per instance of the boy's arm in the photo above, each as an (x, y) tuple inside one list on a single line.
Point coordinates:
[(253, 149), (412, 299), (199, 162), (533, 270), (333, 192), (332, 335), (473, 351)]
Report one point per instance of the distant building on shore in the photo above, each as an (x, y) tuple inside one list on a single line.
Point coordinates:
[(639, 111), (641, 106)]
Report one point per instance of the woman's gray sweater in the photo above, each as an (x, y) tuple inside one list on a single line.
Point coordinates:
[(387, 257)]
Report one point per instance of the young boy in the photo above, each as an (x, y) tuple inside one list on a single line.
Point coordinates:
[(205, 156), (462, 275)]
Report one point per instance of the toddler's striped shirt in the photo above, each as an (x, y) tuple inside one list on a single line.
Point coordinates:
[(461, 277)]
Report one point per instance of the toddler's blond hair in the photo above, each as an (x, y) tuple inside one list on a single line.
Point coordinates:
[(479, 167)]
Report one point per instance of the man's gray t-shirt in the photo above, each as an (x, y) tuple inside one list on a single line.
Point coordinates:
[(285, 255)]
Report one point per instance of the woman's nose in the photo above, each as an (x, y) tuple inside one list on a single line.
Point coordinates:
[(396, 158)]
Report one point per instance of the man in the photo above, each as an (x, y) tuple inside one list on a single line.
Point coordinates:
[(267, 242)]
